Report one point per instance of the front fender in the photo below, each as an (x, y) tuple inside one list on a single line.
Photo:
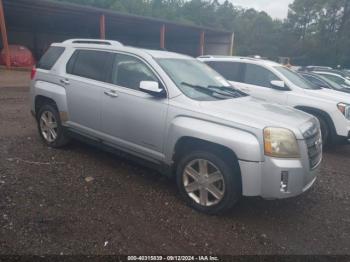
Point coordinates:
[(244, 144)]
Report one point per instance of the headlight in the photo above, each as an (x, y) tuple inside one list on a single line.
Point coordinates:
[(281, 143), (344, 109)]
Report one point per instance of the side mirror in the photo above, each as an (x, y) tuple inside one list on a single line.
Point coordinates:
[(278, 85), (152, 88)]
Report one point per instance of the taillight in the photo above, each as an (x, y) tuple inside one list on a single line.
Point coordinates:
[(32, 74)]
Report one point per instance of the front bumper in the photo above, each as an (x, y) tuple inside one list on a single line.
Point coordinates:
[(278, 178)]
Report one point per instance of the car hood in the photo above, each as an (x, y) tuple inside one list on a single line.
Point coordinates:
[(330, 95), (256, 113)]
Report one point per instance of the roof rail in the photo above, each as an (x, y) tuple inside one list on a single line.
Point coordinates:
[(93, 41)]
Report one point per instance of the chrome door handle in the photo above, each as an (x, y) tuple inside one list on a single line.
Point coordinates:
[(64, 81), (111, 93)]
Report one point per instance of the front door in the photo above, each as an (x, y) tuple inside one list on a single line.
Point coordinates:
[(130, 117)]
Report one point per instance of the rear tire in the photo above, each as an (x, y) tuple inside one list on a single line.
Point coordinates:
[(50, 128), (213, 189)]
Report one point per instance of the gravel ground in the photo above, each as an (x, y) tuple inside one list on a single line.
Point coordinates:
[(48, 205)]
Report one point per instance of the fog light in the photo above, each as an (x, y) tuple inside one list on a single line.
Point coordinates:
[(284, 181)]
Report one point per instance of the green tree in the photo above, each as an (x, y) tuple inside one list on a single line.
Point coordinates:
[(315, 32)]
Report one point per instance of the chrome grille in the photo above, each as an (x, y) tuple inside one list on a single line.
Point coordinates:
[(313, 141)]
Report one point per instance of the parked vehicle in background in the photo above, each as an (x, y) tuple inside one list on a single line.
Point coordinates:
[(335, 77), (273, 82), (346, 72), (178, 114), (314, 68), (296, 68), (323, 82), (337, 72)]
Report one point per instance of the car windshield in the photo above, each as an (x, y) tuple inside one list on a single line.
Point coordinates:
[(197, 80), (295, 78)]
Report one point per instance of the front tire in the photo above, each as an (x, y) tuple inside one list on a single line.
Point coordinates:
[(209, 183), (50, 128), (326, 132)]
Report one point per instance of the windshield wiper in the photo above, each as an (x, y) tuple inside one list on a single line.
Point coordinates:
[(231, 90), (211, 90)]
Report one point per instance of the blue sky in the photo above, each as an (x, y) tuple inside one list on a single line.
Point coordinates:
[(275, 8)]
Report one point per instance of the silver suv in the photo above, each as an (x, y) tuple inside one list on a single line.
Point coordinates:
[(178, 114)]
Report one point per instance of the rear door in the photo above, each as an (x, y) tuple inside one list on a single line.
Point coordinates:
[(86, 72)]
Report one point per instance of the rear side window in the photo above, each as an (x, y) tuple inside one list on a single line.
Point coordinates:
[(230, 70), (90, 64), (259, 76), (51, 56)]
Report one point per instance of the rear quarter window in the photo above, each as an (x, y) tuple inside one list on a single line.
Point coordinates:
[(51, 56)]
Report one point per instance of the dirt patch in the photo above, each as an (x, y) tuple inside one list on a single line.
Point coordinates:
[(14, 78)]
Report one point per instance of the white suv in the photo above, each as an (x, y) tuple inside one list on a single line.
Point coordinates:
[(273, 82)]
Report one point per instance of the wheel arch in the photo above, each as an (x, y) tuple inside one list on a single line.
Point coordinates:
[(41, 100), (188, 143), (46, 92), (318, 112)]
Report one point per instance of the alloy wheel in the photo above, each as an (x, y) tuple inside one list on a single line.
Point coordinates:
[(48, 126), (203, 182)]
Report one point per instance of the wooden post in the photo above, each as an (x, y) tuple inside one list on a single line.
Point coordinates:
[(102, 27), (232, 44), (162, 37), (4, 36), (201, 43)]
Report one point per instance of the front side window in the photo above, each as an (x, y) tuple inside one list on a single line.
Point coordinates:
[(129, 71), (197, 80), (258, 76), (89, 64), (229, 70), (296, 78)]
